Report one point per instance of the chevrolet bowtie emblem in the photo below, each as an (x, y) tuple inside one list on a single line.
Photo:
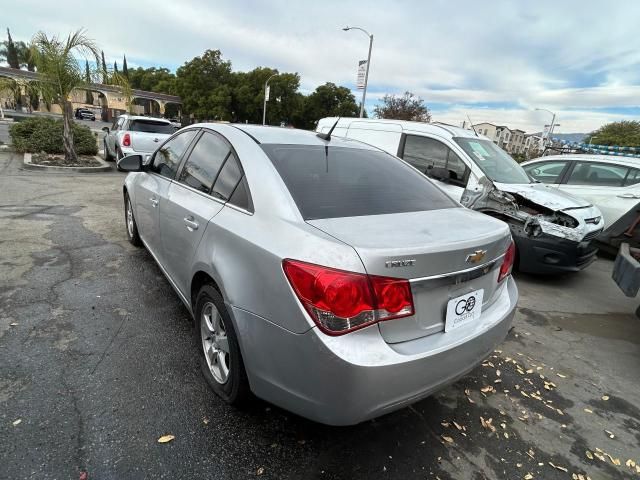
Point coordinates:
[(476, 256)]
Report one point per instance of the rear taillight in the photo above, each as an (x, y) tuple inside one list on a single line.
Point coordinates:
[(507, 262), (126, 140), (341, 302)]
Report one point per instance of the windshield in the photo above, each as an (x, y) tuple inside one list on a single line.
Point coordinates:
[(148, 126), (348, 182), (496, 164)]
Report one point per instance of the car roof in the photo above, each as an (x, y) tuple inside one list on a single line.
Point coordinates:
[(614, 159), (436, 128), (142, 117), (291, 136)]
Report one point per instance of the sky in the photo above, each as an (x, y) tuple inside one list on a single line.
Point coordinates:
[(494, 61)]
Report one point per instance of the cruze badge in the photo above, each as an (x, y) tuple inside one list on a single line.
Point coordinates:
[(476, 256), (399, 263)]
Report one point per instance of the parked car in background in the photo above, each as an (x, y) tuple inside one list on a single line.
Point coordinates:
[(85, 114), (132, 134), (552, 229), (324, 275), (611, 183)]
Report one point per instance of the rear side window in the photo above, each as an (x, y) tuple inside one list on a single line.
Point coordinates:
[(167, 158), (228, 179), (204, 162), (330, 182), (633, 178), (149, 126), (597, 174)]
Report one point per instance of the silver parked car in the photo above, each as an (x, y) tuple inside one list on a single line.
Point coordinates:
[(324, 275), (132, 134)]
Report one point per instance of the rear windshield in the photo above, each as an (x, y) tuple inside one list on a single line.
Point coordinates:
[(149, 126), (330, 182)]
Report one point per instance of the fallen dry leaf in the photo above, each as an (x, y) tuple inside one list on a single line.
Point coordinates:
[(605, 397), (498, 373), (445, 424), (486, 389), (588, 410), (558, 467), (260, 471), (205, 420), (589, 455), (447, 439), (14, 324), (630, 463), (611, 435), (166, 438), (561, 375), (528, 476), (17, 422), (458, 426)]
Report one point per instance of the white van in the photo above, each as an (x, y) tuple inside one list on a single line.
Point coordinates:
[(552, 230)]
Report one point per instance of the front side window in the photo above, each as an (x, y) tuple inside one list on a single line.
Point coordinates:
[(167, 157), (331, 182), (494, 162), (597, 174), (204, 162), (547, 172), (435, 159)]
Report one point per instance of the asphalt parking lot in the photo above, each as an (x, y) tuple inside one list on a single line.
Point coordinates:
[(97, 361)]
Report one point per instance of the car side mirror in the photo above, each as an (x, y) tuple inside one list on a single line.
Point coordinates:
[(105, 129), (131, 163)]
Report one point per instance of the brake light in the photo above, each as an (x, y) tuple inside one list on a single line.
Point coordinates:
[(126, 140), (507, 263), (340, 302)]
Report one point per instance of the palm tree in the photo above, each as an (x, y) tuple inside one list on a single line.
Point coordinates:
[(60, 73)]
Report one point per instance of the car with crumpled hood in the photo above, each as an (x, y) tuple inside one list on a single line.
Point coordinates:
[(553, 230)]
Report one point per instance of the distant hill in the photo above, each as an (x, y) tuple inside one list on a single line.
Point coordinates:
[(569, 137)]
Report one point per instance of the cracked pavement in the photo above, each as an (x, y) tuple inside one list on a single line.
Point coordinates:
[(97, 361)]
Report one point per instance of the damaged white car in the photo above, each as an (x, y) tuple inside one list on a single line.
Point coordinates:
[(552, 230)]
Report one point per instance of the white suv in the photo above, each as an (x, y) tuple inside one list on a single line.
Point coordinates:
[(611, 183)]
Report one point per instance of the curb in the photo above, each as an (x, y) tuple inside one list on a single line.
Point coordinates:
[(104, 166)]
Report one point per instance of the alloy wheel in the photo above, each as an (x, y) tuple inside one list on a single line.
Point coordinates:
[(215, 343)]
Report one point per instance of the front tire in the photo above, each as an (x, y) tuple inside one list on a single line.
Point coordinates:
[(119, 156), (220, 357), (130, 222)]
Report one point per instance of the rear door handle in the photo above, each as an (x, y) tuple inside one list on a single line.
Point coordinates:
[(191, 224), (629, 195), (154, 202)]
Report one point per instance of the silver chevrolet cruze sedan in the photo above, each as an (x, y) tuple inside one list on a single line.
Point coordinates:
[(324, 275)]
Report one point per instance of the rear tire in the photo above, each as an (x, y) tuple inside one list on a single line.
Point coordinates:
[(107, 156), (220, 357), (130, 223)]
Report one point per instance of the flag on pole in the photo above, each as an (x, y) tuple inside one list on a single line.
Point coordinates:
[(362, 72)]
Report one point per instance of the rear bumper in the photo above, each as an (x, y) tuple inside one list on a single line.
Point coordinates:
[(351, 378), (549, 254)]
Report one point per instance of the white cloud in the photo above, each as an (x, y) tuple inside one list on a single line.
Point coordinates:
[(558, 55)]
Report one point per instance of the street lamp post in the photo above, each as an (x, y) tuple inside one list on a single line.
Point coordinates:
[(264, 106), (366, 75), (553, 124)]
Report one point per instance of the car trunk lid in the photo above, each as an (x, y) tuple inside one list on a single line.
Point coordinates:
[(430, 249), (146, 142)]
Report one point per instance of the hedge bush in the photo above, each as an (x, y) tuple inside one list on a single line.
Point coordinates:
[(44, 134)]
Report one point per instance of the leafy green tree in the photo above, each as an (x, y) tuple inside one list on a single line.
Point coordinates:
[(248, 96), (87, 79), (327, 100), (405, 107), (6, 85), (125, 69), (60, 73), (153, 79), (625, 134), (105, 74), (204, 85), (115, 68)]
